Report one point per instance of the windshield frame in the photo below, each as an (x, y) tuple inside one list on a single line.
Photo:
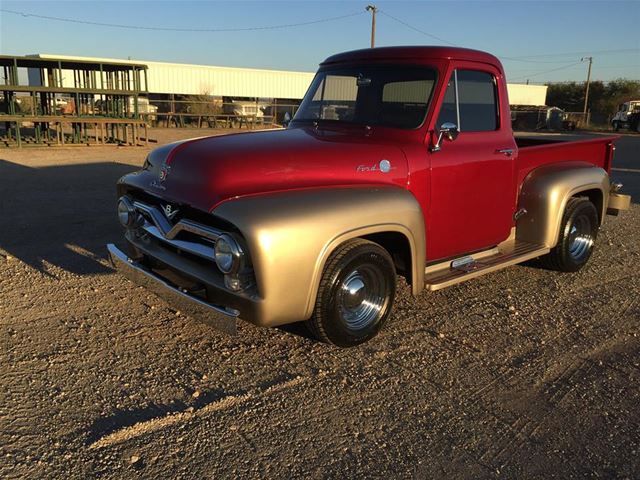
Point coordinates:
[(324, 70)]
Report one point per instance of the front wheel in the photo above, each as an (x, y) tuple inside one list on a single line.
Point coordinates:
[(578, 233), (356, 294)]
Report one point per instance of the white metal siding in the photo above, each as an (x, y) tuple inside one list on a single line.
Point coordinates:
[(520, 94)]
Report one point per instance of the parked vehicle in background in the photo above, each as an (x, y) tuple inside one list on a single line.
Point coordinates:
[(399, 161), (245, 110), (146, 111), (541, 118), (558, 119), (627, 116)]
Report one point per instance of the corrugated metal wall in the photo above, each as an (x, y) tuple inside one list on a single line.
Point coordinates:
[(232, 82)]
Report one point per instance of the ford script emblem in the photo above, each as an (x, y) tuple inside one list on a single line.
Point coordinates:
[(384, 166)]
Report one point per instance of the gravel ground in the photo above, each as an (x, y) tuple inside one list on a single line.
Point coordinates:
[(524, 373)]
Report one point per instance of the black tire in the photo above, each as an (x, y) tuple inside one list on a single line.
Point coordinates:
[(616, 126), (356, 294), (578, 232)]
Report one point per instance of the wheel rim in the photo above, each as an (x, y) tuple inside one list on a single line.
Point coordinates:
[(580, 238), (362, 297)]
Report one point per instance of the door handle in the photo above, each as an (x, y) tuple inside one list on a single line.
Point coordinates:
[(505, 151)]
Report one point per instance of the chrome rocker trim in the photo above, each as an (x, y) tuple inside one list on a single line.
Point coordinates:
[(219, 317)]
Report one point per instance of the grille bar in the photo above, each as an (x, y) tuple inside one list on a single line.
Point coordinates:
[(158, 226)]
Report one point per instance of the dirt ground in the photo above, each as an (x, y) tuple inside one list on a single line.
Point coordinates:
[(524, 373)]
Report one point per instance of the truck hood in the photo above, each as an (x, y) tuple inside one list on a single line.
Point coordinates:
[(204, 172)]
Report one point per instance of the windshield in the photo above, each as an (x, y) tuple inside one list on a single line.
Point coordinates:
[(386, 96)]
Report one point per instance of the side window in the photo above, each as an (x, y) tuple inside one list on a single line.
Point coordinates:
[(476, 109), (478, 106), (448, 111)]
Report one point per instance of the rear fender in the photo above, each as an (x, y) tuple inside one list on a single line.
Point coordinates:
[(544, 195)]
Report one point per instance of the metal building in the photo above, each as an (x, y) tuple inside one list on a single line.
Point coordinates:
[(186, 79)]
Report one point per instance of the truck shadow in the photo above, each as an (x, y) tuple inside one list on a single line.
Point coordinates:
[(60, 215)]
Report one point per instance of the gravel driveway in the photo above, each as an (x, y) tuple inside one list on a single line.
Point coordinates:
[(524, 373)]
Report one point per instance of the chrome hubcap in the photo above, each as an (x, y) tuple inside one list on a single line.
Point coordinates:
[(362, 297), (580, 238)]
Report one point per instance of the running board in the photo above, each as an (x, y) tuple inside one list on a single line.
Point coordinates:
[(460, 270)]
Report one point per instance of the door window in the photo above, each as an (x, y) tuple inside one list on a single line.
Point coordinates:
[(470, 102)]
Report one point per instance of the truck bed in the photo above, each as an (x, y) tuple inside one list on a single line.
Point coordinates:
[(534, 152)]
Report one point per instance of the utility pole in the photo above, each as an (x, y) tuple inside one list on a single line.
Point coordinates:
[(586, 93), (373, 9)]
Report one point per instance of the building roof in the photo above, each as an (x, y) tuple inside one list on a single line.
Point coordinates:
[(70, 63)]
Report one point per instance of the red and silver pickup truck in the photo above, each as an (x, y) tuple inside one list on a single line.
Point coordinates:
[(399, 161)]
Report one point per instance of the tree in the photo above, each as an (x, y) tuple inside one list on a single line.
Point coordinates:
[(604, 98), (619, 91)]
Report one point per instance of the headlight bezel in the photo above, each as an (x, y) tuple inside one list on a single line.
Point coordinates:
[(233, 251), (125, 207)]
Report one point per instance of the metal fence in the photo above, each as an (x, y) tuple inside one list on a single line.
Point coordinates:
[(216, 113), (556, 119)]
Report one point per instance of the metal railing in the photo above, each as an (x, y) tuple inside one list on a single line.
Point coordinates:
[(545, 119), (215, 113)]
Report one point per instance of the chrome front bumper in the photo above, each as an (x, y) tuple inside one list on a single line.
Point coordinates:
[(221, 318)]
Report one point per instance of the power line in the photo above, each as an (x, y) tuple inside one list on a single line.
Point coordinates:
[(565, 54), (546, 71), (175, 29), (402, 22), (617, 66), (523, 59), (516, 59)]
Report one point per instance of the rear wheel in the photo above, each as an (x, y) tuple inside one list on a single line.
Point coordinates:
[(356, 294), (578, 233), (615, 125)]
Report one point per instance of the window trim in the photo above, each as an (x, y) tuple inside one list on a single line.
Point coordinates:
[(496, 97)]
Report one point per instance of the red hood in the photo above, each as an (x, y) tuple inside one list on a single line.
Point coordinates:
[(204, 172)]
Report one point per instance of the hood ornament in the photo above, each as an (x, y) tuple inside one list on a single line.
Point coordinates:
[(164, 172)]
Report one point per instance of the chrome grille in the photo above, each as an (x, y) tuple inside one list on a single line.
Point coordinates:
[(159, 227)]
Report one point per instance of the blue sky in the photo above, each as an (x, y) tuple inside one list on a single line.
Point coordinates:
[(543, 39)]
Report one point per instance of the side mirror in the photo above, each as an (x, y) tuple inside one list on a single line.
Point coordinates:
[(447, 130), (286, 120)]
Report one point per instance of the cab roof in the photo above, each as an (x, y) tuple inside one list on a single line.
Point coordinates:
[(412, 52)]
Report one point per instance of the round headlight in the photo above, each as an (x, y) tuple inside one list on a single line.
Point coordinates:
[(126, 212), (228, 254)]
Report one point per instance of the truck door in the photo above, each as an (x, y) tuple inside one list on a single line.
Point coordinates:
[(473, 188)]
